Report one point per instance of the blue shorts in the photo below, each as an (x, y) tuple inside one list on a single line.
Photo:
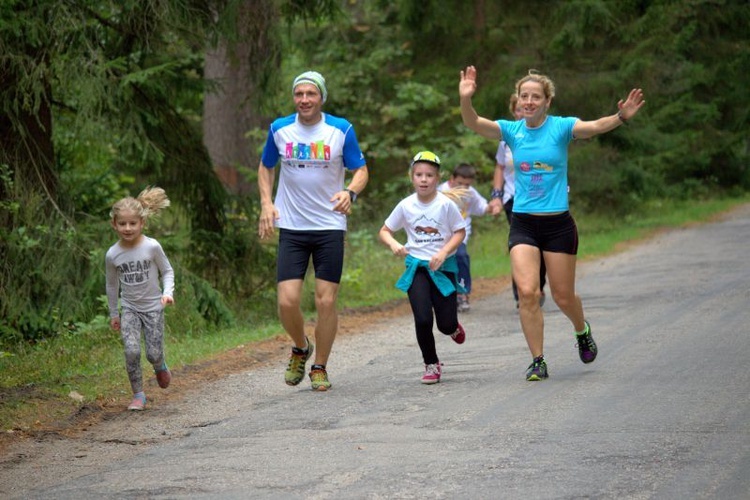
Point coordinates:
[(296, 247), (549, 233)]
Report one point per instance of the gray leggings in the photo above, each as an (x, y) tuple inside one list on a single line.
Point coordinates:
[(151, 323)]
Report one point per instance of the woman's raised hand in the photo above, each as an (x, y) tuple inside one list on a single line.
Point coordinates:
[(467, 85), (630, 106)]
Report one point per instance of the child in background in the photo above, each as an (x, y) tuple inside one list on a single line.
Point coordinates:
[(133, 266), (474, 204), (434, 229)]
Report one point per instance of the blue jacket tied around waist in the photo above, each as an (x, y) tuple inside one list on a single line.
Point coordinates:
[(443, 283)]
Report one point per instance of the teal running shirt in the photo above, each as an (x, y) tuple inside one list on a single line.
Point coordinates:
[(540, 160)]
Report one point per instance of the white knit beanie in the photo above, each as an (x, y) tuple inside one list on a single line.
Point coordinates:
[(316, 79)]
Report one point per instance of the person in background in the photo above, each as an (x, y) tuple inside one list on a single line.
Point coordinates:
[(133, 267), (474, 204), (316, 150), (504, 188), (541, 225), (434, 230)]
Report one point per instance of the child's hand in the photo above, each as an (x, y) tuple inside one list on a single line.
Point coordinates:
[(114, 323), (437, 260), (166, 300), (495, 207), (398, 250)]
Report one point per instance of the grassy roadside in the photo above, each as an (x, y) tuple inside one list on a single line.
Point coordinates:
[(53, 380)]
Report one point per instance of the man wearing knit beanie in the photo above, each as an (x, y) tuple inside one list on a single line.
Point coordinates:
[(316, 79), (315, 151)]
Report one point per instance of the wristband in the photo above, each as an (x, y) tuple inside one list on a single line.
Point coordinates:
[(621, 118), (497, 194)]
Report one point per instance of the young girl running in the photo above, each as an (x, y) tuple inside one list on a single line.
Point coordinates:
[(434, 228), (134, 265)]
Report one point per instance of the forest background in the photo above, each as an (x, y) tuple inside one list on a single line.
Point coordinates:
[(102, 98)]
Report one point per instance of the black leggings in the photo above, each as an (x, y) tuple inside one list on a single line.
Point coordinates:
[(424, 296)]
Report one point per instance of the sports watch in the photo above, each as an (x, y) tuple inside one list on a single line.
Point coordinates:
[(352, 195)]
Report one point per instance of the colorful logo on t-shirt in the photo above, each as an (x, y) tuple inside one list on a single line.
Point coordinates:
[(313, 151), (524, 166), (538, 165)]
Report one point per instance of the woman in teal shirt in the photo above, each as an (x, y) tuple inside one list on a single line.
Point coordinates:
[(541, 224)]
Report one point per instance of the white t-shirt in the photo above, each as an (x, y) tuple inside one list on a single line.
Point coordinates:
[(504, 157), (476, 204), (313, 163), (428, 226), (134, 273)]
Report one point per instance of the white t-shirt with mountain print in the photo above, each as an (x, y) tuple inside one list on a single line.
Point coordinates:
[(428, 226)]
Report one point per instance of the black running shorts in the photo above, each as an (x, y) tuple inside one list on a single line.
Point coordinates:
[(296, 247), (550, 233)]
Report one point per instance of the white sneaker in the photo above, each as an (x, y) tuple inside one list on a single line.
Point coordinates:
[(463, 303)]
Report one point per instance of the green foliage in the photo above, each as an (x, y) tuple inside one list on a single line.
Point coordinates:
[(46, 276), (123, 82), (205, 300), (370, 270), (238, 264)]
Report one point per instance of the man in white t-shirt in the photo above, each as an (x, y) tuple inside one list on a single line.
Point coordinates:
[(312, 202)]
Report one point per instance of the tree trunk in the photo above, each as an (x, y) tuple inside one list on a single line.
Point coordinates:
[(26, 143), (232, 108)]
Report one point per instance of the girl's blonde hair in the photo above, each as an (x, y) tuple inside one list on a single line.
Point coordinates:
[(547, 84), (148, 203), (459, 196)]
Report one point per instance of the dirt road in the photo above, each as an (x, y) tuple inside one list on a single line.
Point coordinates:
[(662, 412)]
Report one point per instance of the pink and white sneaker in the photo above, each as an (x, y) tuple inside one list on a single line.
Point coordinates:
[(138, 403), (431, 374)]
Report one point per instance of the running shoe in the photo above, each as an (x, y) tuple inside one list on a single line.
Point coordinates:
[(459, 336), (319, 379), (587, 349), (537, 370), (463, 303), (163, 376), (431, 374), (138, 403), (295, 371)]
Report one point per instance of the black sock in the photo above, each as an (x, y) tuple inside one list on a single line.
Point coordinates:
[(317, 367), (299, 350)]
